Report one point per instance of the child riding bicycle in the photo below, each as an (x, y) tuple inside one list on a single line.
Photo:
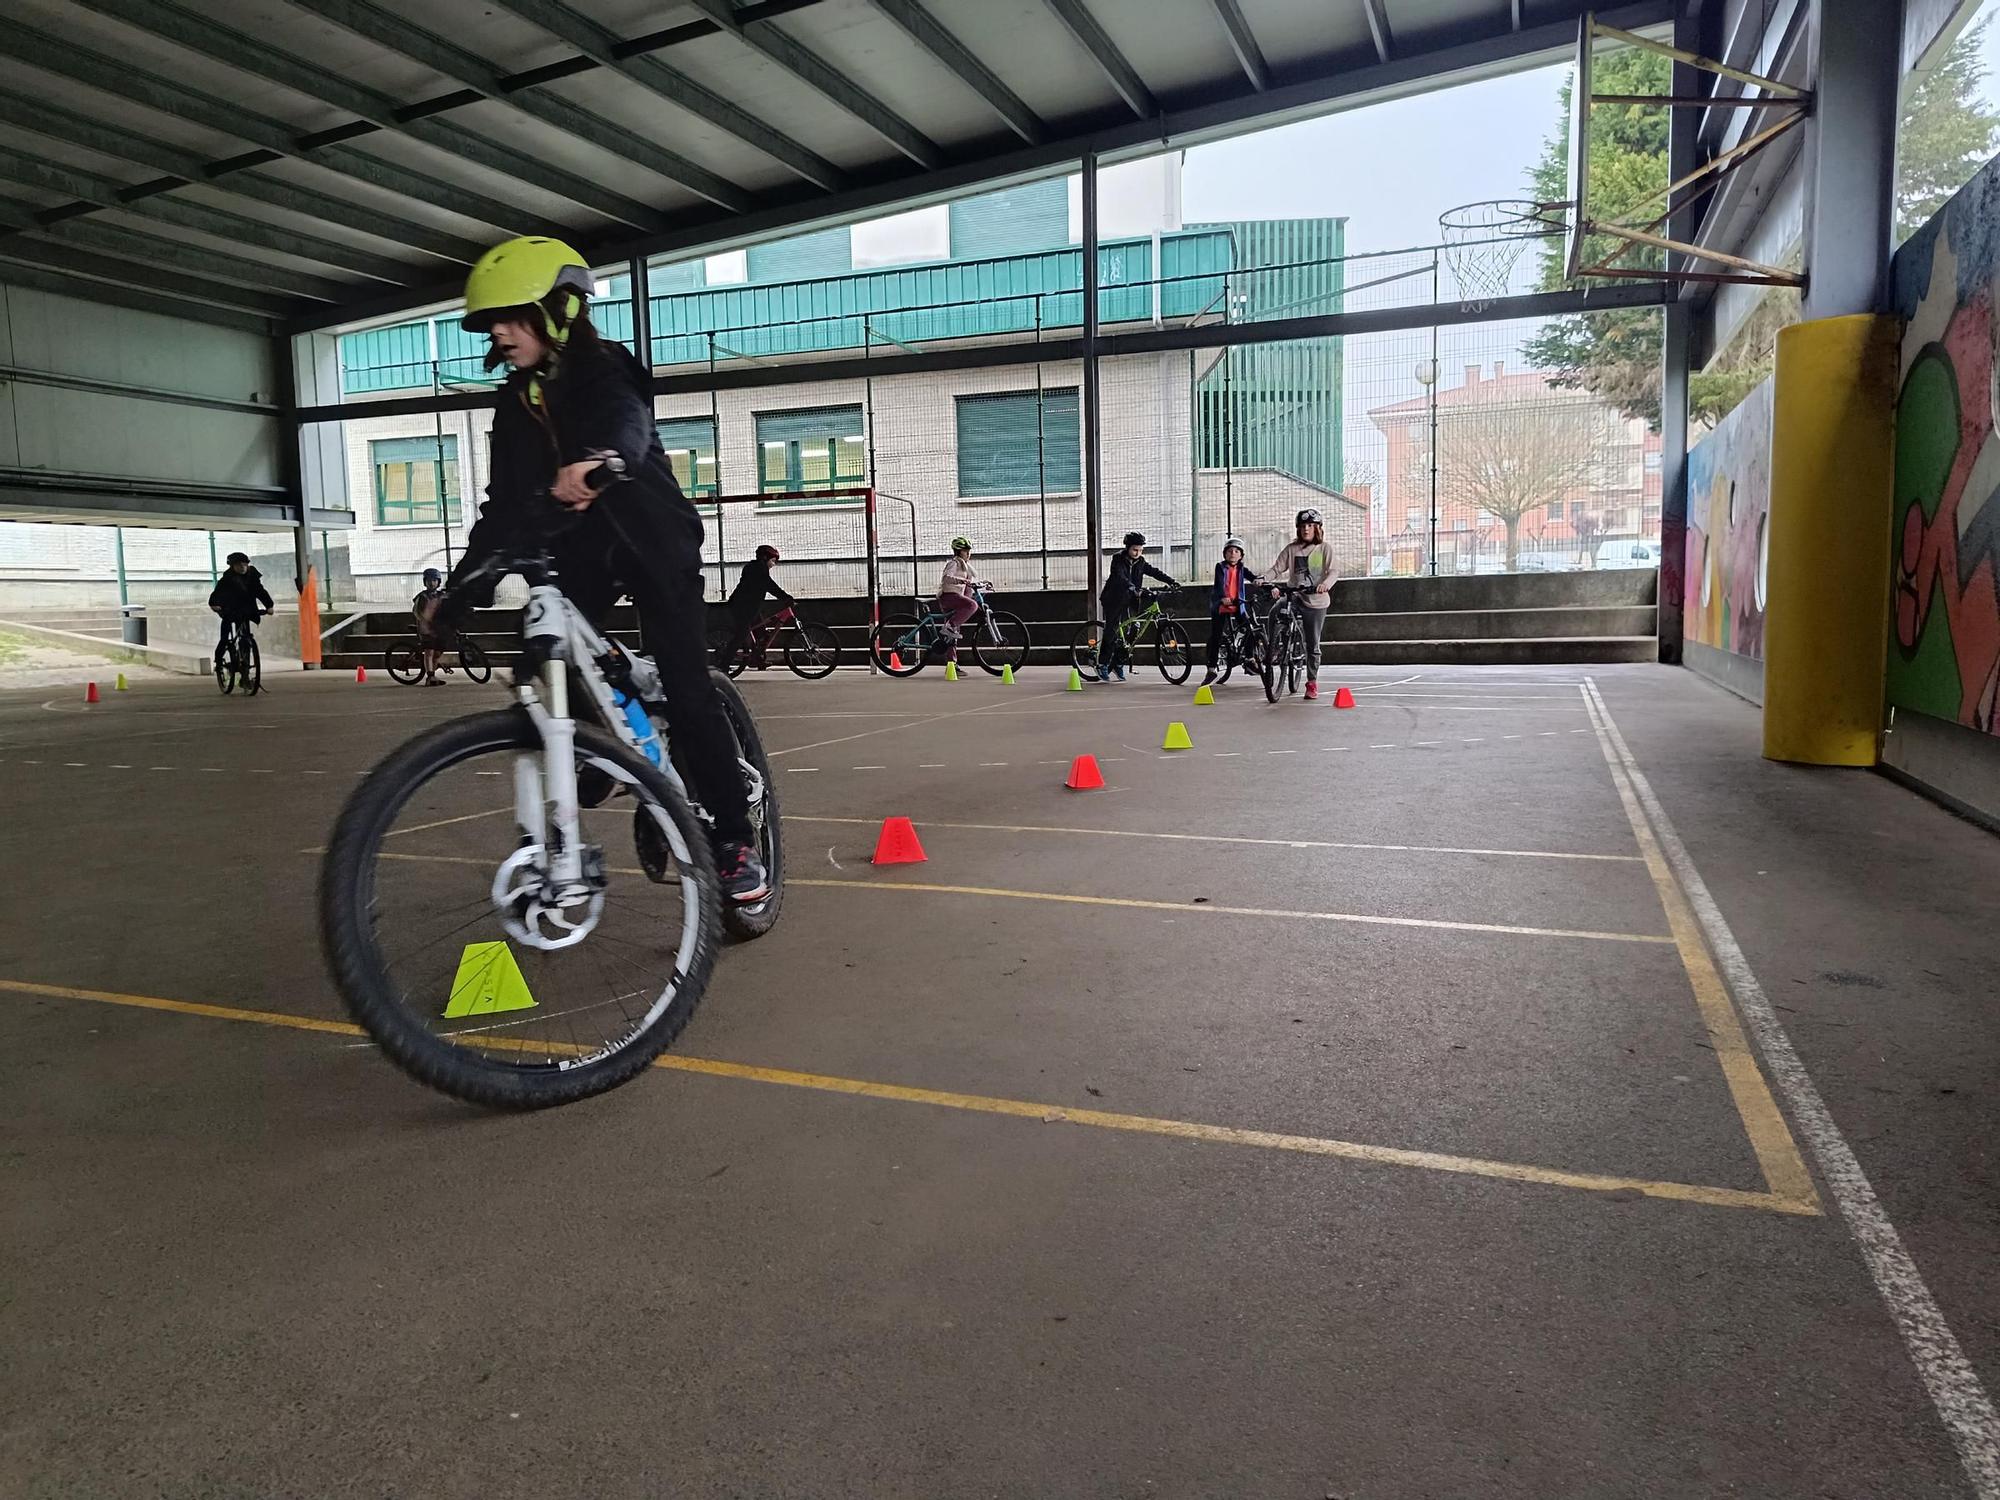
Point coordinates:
[(957, 597), (574, 404), (1124, 584), (746, 600), (1228, 605), (431, 644), (238, 596)]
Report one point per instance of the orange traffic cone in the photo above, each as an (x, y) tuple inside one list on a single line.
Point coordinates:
[(895, 661), (90, 692), (898, 844), (1084, 775), (360, 674), (1342, 698)]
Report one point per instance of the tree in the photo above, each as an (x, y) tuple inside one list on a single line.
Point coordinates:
[(1945, 135), (1510, 458)]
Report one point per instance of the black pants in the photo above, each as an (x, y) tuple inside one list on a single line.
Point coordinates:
[(736, 635), (1111, 650), (1219, 626), (667, 591)]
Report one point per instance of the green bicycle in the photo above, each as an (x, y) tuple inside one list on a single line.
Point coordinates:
[(1173, 651)]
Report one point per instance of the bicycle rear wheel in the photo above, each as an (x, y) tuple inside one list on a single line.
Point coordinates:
[(1000, 640), (433, 922), (1083, 651), (1176, 652), (812, 650), (899, 645), (225, 669), (473, 663), (253, 666), (405, 663)]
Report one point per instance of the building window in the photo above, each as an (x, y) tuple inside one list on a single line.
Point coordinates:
[(690, 445), (819, 448), (410, 479), (1652, 463), (1413, 518), (1005, 447), (1555, 511)]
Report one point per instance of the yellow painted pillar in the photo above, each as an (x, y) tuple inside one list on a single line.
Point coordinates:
[(1826, 550)]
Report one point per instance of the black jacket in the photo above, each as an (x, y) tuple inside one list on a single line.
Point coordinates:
[(641, 534), (240, 595), (755, 583), (1127, 578)]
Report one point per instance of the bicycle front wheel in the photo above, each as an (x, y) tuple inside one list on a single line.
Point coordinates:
[(812, 650), (899, 645), (225, 670), (456, 954), (253, 667), (1083, 651), (405, 663), (1176, 652), (473, 663), (1000, 641)]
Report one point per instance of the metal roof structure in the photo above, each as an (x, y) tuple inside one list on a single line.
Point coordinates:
[(298, 164)]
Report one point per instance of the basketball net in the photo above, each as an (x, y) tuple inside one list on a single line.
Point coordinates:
[(1484, 242)]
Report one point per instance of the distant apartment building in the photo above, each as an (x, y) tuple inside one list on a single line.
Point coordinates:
[(1570, 470)]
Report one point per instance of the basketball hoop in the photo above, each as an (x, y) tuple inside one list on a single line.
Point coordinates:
[(1483, 242)]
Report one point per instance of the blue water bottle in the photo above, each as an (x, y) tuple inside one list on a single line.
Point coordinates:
[(642, 725)]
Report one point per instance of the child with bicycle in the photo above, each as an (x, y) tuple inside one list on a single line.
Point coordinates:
[(575, 410), (957, 596), (1228, 607), (238, 596), (746, 601), (1306, 562), (1123, 595)]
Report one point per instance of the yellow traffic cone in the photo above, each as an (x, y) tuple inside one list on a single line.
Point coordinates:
[(951, 671), (1204, 696), (1177, 737), (121, 682), (1075, 681), (1007, 674)]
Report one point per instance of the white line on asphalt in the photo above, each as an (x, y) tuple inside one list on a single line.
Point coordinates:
[(1281, 752), (930, 765), (75, 763), (993, 763), (868, 768), (1954, 1386), (1225, 754), (1385, 747)]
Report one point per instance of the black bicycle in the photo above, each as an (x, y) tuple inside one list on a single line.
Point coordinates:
[(1242, 645), (1284, 641), (901, 645), (237, 663), (410, 662)]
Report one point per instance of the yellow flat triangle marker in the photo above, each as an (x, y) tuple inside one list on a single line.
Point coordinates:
[(488, 981), (1204, 696), (951, 671), (1177, 737), (1007, 674), (1075, 681)]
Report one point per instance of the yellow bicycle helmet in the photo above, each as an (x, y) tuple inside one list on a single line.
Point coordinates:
[(522, 273)]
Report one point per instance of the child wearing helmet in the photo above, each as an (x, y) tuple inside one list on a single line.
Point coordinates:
[(957, 596), (574, 404), (1124, 583), (1228, 601), (239, 594), (431, 643), (1307, 561), (745, 601)]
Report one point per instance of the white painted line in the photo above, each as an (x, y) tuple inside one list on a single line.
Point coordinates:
[(993, 763), (120, 766), (938, 765), (1281, 752), (159, 768), (1425, 744), (1226, 754), (214, 770), (801, 768), (1110, 757), (1333, 747), (1385, 747), (76, 763), (868, 768), (1579, 731), (482, 773), (1475, 740), (1955, 1390), (1051, 763), (261, 771), (1546, 734), (1510, 736), (322, 773)]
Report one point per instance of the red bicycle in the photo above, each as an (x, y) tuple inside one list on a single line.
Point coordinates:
[(810, 648)]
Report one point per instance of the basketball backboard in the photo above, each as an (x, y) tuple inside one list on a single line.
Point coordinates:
[(1579, 144)]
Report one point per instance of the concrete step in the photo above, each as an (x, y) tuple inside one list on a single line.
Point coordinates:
[(1383, 596), (1545, 651), (1495, 624)]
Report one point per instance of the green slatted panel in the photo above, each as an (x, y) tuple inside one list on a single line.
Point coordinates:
[(998, 450)]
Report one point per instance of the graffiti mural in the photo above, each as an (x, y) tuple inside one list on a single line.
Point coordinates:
[(1944, 647), (1728, 537)]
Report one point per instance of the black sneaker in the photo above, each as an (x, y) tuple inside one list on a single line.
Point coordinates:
[(742, 874)]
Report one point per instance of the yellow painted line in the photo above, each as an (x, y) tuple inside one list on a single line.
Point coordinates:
[(1182, 907), (1187, 1130), (1784, 1169), (1220, 838)]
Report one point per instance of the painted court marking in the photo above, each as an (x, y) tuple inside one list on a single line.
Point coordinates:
[(1954, 1386), (1021, 1109)]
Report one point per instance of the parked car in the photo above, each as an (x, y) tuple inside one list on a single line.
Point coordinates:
[(1628, 552)]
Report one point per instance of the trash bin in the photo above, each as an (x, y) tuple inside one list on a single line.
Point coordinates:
[(134, 630)]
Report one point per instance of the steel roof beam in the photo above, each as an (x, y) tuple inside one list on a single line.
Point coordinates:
[(927, 32), (274, 137), (148, 151), (601, 47), (388, 30), (1243, 42), (1104, 52), (59, 285), (107, 193), (175, 255), (804, 65), (125, 273), (377, 111), (1378, 26)]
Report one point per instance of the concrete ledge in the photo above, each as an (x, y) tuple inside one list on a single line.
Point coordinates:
[(1531, 651), (1495, 624), (1949, 763), (181, 659), (1388, 596), (1741, 675)]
